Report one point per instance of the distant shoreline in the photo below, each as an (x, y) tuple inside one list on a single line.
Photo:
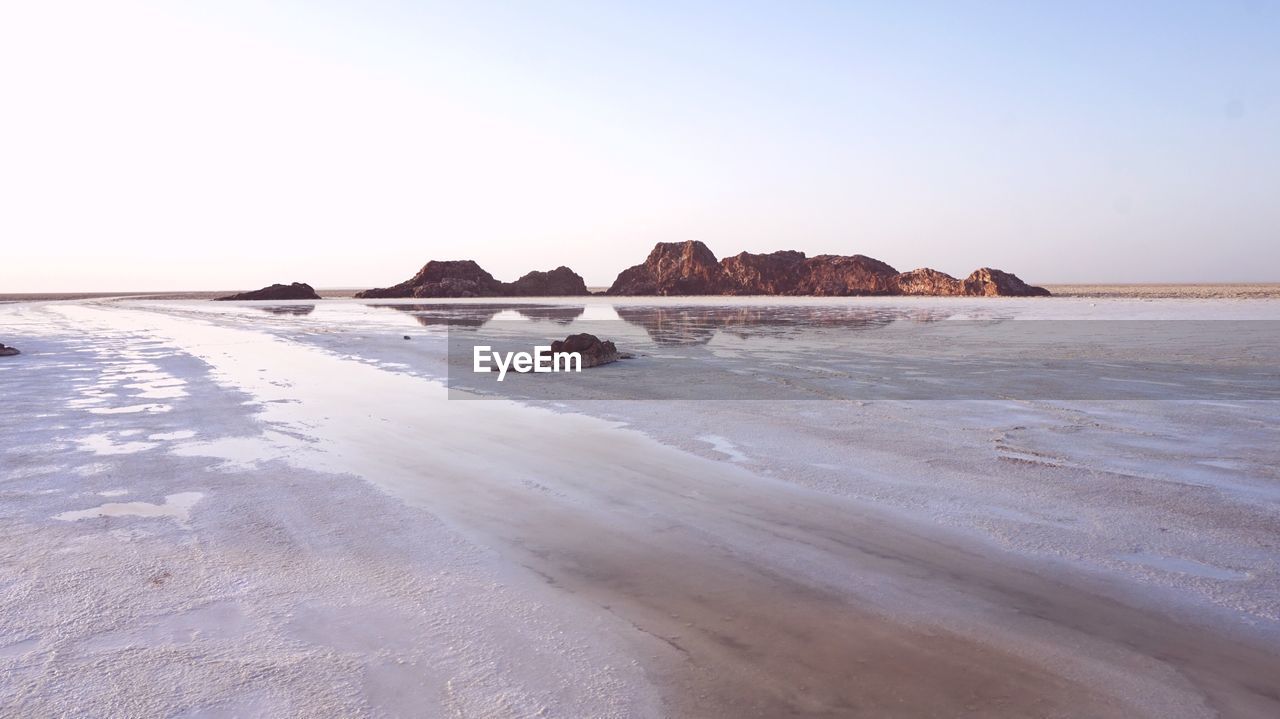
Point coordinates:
[(1155, 290), (1170, 290)]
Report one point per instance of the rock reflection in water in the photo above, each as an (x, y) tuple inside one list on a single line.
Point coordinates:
[(695, 325), (476, 315), (289, 309), (678, 325)]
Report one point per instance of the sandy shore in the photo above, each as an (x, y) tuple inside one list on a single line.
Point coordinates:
[(284, 515)]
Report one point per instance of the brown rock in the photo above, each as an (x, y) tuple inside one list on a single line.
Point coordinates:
[(448, 278), (690, 268), (674, 268), (777, 273), (594, 351), (6, 351), (295, 291), (925, 281), (987, 282), (465, 278), (840, 276), (560, 282)]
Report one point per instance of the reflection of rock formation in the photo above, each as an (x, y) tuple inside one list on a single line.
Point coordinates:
[(295, 291), (476, 315), (698, 325), (289, 309), (465, 278), (690, 268), (459, 315), (559, 315)]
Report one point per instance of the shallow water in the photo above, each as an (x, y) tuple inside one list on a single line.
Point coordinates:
[(751, 590)]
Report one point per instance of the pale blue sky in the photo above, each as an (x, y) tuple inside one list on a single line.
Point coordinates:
[(156, 145)]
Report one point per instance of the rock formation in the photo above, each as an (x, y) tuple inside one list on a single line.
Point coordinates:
[(690, 268), (986, 282), (773, 274), (839, 276), (295, 291), (449, 278), (674, 268), (465, 278), (560, 282), (925, 281), (594, 351), (6, 351)]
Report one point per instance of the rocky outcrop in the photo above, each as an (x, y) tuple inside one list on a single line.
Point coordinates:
[(560, 282), (925, 281), (986, 282), (593, 350), (776, 273), (840, 276), (674, 268), (465, 278), (690, 268), (295, 291), (448, 278), (6, 351)]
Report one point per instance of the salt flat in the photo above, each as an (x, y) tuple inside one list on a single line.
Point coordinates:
[(220, 510)]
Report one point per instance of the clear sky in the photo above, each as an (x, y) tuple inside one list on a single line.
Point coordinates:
[(228, 144)]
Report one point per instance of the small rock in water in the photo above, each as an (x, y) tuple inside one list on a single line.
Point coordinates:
[(295, 291), (6, 351), (594, 351), (406, 336)]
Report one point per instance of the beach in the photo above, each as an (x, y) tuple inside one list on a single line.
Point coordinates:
[(286, 509)]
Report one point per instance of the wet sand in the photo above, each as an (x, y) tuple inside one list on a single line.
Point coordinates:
[(753, 641)]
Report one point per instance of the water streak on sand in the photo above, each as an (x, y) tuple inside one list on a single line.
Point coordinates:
[(176, 506)]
